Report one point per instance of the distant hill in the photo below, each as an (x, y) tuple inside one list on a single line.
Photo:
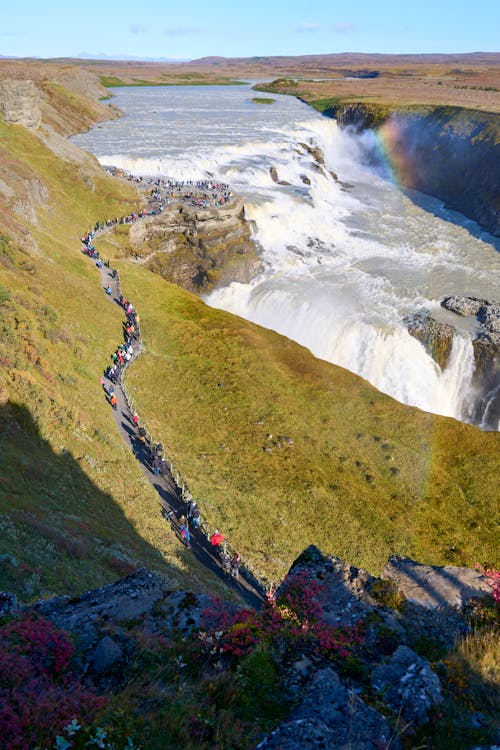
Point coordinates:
[(356, 58)]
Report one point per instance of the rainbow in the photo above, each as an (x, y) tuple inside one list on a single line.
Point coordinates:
[(395, 142)]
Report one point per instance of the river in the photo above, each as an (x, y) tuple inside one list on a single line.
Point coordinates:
[(344, 261)]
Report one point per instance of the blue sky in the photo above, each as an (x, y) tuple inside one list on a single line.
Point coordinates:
[(186, 30)]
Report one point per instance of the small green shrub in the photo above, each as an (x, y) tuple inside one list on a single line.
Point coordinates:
[(387, 594)]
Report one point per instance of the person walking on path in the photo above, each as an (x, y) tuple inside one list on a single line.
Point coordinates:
[(114, 402), (216, 539), (235, 565), (193, 513), (185, 535), (155, 464)]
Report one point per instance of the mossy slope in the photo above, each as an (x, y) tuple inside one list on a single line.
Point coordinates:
[(75, 510), (364, 476)]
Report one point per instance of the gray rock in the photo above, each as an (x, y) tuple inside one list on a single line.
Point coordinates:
[(484, 407), (435, 586), (489, 316), (330, 717), (437, 338), (8, 603), (314, 151), (19, 102), (107, 655), (274, 177), (464, 306), (408, 684), (344, 594), (129, 598)]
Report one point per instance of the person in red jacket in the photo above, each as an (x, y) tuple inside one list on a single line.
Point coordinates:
[(216, 539)]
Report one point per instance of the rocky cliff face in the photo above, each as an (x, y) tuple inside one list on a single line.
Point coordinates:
[(197, 248), (437, 338), (20, 103), (367, 698), (450, 153), (486, 378)]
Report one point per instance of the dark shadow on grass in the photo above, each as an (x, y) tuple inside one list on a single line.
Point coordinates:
[(61, 532)]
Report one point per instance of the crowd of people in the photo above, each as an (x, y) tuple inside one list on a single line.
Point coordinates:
[(200, 193), (189, 520)]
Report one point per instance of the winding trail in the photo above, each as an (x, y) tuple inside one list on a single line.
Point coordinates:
[(170, 495)]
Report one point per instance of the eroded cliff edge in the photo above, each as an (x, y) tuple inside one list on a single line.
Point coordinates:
[(197, 248), (448, 152)]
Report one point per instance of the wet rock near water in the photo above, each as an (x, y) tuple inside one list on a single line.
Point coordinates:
[(464, 306), (485, 407), (315, 151), (273, 172), (437, 338)]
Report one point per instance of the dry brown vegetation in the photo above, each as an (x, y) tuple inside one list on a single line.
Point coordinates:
[(469, 80)]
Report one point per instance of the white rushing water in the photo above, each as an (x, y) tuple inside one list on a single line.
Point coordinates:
[(344, 261)]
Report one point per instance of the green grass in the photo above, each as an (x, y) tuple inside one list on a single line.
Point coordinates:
[(75, 509), (181, 80), (263, 100), (365, 476)]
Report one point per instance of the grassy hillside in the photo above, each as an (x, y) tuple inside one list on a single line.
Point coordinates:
[(75, 510), (283, 449)]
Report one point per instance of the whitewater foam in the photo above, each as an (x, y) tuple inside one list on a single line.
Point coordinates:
[(343, 265)]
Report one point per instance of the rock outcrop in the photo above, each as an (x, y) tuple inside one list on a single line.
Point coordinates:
[(332, 707), (331, 716), (435, 587), (483, 399), (448, 152), (486, 379), (408, 684), (437, 338), (273, 173), (345, 596), (19, 103), (197, 248)]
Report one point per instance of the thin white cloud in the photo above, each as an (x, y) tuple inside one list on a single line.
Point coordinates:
[(138, 28), (344, 28), (307, 27), (184, 30)]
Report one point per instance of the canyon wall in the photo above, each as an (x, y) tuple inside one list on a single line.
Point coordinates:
[(448, 152)]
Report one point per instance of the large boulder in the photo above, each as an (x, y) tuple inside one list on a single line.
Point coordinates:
[(437, 338), (108, 655), (462, 305), (407, 684), (331, 717), (436, 586), (344, 593)]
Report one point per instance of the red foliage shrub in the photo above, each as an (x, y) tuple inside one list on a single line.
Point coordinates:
[(38, 693), (292, 619)]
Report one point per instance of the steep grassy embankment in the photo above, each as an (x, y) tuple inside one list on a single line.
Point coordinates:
[(75, 509), (283, 450)]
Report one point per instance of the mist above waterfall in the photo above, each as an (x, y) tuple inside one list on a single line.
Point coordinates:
[(347, 255)]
